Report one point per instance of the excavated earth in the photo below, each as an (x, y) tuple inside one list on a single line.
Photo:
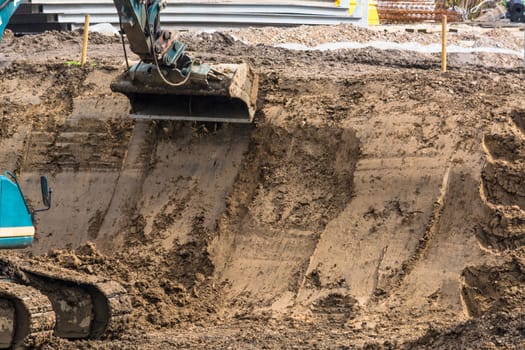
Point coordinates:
[(375, 203)]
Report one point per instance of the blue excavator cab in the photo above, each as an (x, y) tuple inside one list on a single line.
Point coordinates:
[(16, 222), (16, 219), (7, 8)]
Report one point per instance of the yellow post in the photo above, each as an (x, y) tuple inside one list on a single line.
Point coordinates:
[(84, 44), (444, 43)]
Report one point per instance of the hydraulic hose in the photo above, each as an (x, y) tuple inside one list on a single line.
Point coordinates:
[(166, 81)]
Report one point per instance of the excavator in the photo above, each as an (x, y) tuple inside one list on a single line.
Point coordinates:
[(37, 301)]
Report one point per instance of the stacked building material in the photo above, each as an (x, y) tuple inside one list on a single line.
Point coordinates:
[(30, 19), (203, 13), (40, 15)]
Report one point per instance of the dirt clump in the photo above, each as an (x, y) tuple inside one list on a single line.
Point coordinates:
[(499, 330)]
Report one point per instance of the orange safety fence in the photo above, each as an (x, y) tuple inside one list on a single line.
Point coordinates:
[(404, 11)]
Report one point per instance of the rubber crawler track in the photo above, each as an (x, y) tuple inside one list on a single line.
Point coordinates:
[(83, 306), (34, 312)]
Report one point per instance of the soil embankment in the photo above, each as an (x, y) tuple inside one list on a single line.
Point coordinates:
[(374, 203)]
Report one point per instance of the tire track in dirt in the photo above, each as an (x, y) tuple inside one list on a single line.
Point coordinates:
[(291, 184), (79, 141), (20, 111), (492, 287), (380, 243), (502, 188)]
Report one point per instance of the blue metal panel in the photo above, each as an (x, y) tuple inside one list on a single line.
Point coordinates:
[(16, 242), (13, 209), (5, 15)]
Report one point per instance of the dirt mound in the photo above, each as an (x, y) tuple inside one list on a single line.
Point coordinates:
[(488, 289), (493, 331), (313, 36)]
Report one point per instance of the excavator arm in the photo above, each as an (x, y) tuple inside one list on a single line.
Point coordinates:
[(169, 84), (7, 8), (138, 19)]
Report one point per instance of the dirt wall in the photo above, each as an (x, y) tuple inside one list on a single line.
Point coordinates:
[(374, 200)]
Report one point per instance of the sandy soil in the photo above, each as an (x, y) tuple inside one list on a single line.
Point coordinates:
[(375, 203)]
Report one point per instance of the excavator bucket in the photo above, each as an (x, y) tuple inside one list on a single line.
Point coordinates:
[(211, 93)]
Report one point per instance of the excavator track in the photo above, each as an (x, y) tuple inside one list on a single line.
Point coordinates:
[(26, 316), (84, 306)]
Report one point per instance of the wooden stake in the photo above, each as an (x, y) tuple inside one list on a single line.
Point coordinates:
[(84, 44), (444, 43)]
